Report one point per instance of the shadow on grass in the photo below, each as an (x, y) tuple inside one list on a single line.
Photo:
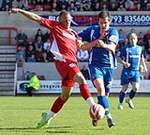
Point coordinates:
[(17, 129), (51, 129), (58, 129)]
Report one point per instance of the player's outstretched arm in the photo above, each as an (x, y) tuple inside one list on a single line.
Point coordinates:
[(88, 46), (126, 64), (28, 14)]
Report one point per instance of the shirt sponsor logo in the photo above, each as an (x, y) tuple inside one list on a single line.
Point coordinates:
[(72, 65), (69, 35)]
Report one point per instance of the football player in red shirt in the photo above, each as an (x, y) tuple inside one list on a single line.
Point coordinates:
[(64, 49)]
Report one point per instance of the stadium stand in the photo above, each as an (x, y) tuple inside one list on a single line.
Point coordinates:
[(76, 5), (7, 70)]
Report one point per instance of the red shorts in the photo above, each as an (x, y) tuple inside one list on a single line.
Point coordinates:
[(67, 70)]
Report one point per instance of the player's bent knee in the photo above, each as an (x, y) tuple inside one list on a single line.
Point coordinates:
[(80, 78)]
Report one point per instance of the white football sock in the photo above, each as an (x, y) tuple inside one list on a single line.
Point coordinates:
[(50, 114), (90, 101)]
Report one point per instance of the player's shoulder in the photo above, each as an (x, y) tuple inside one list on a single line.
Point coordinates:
[(94, 27), (113, 29), (49, 21), (140, 47)]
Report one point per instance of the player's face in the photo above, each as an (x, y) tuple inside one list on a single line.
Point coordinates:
[(65, 20), (104, 23), (133, 39)]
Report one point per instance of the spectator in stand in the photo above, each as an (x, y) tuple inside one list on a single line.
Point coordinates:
[(21, 54), (129, 4), (39, 55), (46, 36), (1, 2), (21, 38), (20, 4), (6, 5), (46, 45), (72, 7), (31, 4), (54, 6), (147, 7), (140, 38), (121, 8), (30, 53), (38, 43), (45, 57), (113, 6), (38, 33), (96, 6), (146, 40), (47, 5), (104, 7), (122, 38), (144, 4)]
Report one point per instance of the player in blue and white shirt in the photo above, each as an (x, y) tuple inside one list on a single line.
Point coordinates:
[(132, 58), (102, 60)]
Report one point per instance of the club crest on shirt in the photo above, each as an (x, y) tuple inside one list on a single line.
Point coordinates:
[(113, 38)]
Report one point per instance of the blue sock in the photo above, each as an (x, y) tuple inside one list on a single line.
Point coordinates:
[(132, 94), (103, 100), (121, 96)]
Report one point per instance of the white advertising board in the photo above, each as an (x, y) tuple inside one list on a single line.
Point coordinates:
[(54, 86)]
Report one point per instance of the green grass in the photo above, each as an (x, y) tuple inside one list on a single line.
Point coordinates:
[(19, 115)]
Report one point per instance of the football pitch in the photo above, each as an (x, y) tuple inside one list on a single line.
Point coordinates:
[(19, 115)]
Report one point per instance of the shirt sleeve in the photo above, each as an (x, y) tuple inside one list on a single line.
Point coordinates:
[(85, 34), (114, 36), (50, 24)]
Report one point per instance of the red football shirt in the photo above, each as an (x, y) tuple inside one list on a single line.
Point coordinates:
[(64, 41)]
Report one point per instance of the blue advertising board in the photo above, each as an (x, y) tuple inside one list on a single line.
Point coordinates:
[(117, 20)]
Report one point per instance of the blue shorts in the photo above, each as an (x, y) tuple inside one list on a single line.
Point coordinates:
[(105, 74), (129, 76)]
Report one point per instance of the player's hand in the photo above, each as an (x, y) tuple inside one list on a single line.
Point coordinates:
[(101, 44), (127, 65), (79, 42), (14, 10)]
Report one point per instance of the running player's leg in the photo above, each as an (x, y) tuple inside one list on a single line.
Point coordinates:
[(67, 86), (135, 88), (124, 82), (56, 107), (97, 76), (135, 81), (122, 95), (108, 78)]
